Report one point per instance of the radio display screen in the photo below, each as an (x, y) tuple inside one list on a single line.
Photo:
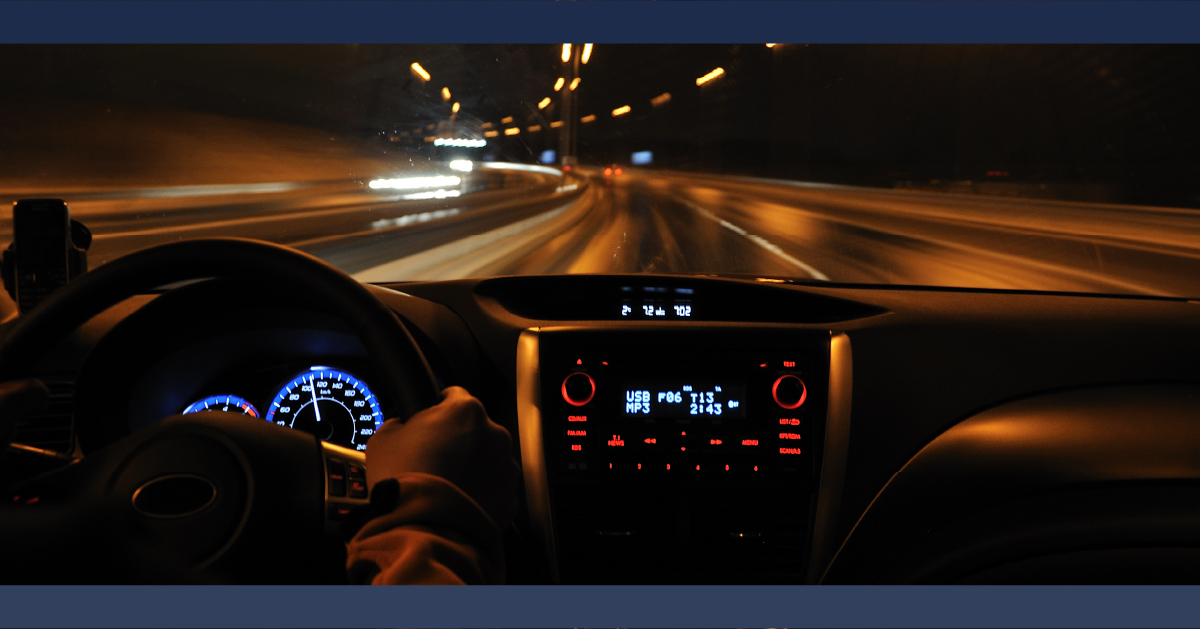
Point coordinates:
[(684, 398)]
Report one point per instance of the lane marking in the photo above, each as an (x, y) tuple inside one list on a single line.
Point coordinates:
[(476, 251), (421, 217), (760, 241)]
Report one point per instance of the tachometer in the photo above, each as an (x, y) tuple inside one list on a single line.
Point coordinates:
[(333, 405), (227, 403)]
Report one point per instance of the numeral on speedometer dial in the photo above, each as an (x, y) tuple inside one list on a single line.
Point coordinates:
[(333, 405)]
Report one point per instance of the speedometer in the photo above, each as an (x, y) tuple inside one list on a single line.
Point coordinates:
[(331, 404)]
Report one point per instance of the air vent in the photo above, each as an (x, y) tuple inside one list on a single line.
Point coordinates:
[(54, 428)]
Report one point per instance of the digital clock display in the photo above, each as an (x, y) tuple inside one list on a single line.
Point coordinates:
[(684, 399), (656, 303)]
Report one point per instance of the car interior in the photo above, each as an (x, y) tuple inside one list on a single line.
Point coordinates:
[(751, 313), (844, 434)]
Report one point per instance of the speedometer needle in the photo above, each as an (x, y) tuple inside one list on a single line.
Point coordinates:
[(312, 387)]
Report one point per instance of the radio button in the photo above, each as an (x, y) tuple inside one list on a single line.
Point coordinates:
[(789, 391), (578, 389)]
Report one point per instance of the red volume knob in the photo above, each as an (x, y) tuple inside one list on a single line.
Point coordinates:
[(789, 391), (578, 389)]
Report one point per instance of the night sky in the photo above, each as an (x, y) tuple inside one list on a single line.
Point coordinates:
[(1119, 117)]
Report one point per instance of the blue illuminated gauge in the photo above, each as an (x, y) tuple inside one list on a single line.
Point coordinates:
[(333, 405), (227, 403)]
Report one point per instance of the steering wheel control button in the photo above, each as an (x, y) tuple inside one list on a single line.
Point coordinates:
[(789, 391), (174, 496), (578, 389), (356, 475), (337, 478)]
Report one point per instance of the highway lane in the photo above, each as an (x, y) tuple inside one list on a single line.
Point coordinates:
[(665, 222), (307, 215), (526, 222), (868, 235)]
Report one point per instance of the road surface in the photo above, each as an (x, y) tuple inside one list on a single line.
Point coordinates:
[(522, 221)]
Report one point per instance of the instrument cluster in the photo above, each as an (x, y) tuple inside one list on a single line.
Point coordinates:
[(330, 403)]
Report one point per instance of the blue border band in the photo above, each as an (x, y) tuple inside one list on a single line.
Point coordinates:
[(613, 21), (601, 606)]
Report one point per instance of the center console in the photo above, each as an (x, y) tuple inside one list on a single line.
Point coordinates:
[(674, 453)]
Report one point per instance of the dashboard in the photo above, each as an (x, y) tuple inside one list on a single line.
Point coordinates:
[(735, 430)]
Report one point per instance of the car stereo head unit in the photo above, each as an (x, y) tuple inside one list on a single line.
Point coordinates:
[(681, 454), (670, 416)]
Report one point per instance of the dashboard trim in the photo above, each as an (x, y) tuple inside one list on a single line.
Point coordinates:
[(533, 453), (833, 460)]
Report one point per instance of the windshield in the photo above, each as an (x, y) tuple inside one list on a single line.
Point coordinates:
[(1057, 168)]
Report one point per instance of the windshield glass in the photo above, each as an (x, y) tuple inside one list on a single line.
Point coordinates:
[(1063, 168)]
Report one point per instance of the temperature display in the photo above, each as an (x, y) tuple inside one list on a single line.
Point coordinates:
[(684, 399), (657, 309)]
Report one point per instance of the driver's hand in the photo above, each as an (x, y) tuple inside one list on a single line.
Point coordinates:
[(457, 441)]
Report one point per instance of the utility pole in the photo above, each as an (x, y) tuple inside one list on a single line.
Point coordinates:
[(568, 141)]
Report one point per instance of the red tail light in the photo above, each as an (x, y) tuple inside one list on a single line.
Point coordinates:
[(607, 171), (618, 171)]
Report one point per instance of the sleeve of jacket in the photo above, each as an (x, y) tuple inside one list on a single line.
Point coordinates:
[(436, 535)]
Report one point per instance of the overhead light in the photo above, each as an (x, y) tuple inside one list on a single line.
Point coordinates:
[(486, 125), (445, 93), (566, 55), (587, 53), (506, 120), (556, 124), (588, 118), (559, 83), (454, 109), (710, 76), (416, 182), (770, 45), (575, 83), (490, 134), (431, 138), (461, 164), (544, 103), (416, 67), (661, 99), (511, 131), (620, 111), (535, 128), (465, 142)]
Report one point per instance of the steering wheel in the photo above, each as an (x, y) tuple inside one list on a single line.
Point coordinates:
[(207, 497)]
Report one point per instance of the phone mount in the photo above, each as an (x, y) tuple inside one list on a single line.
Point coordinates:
[(49, 249)]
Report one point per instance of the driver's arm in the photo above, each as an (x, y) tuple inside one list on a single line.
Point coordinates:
[(456, 488)]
